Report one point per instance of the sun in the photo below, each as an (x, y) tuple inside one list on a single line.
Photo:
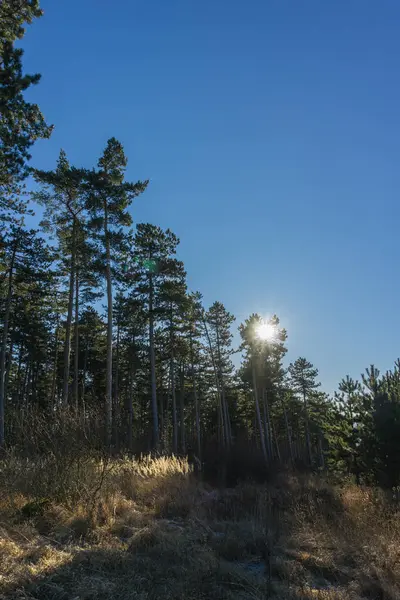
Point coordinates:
[(265, 331)]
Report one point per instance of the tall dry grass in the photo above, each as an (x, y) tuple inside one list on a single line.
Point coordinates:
[(122, 529)]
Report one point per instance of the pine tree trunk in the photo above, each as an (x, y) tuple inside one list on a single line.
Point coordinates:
[(258, 414), (109, 330), (130, 406), (221, 427), (196, 402), (29, 383), (265, 422), (161, 410), (167, 411), (274, 438), (153, 366), (6, 325), (55, 366), (76, 335), (67, 343), (321, 452), (174, 415), (307, 428), (288, 434), (84, 369), (269, 435), (17, 388), (116, 385), (9, 364), (225, 412), (22, 397), (182, 409)]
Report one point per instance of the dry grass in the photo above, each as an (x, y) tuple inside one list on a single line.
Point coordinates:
[(147, 530)]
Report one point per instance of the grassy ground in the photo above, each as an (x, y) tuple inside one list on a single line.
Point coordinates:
[(127, 531)]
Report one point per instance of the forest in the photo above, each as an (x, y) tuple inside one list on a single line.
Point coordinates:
[(97, 320), (107, 354)]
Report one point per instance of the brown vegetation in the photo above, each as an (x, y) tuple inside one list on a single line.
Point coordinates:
[(147, 529)]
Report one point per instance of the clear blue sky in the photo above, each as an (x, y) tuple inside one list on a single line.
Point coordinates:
[(270, 132)]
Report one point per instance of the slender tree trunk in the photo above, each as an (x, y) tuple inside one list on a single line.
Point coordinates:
[(173, 386), (225, 412), (221, 427), (196, 402), (307, 428), (274, 438), (76, 335), (35, 377), (258, 414), (67, 343), (116, 385), (269, 433), (182, 408), (29, 382), (321, 451), (161, 410), (265, 422), (7, 314), (130, 405), (17, 388), (288, 433), (55, 367), (153, 365), (109, 330), (174, 415), (9, 364), (84, 369), (22, 397), (167, 411)]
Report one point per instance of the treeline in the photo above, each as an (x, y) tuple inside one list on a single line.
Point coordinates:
[(97, 323)]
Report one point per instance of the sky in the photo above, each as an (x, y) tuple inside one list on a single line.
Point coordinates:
[(270, 133)]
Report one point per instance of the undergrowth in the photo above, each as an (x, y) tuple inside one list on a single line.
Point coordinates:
[(127, 530)]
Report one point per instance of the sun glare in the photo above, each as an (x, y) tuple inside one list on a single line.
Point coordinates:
[(265, 331)]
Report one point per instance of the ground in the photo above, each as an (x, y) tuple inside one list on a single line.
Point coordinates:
[(125, 530)]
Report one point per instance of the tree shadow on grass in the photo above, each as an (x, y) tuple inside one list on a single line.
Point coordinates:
[(290, 542)]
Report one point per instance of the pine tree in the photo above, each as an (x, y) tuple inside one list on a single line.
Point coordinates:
[(263, 372), (303, 376), (63, 196), (219, 322), (349, 403), (108, 200), (194, 313), (21, 123), (24, 257), (154, 265)]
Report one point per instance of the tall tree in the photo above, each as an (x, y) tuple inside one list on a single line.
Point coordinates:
[(154, 265), (24, 257), (21, 123), (172, 295), (62, 195), (109, 199), (262, 370), (303, 377), (219, 322), (347, 438)]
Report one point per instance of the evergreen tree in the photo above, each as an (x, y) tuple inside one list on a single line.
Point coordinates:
[(62, 195), (303, 376), (154, 265), (21, 123), (350, 414), (108, 200), (263, 372), (25, 261), (219, 321)]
